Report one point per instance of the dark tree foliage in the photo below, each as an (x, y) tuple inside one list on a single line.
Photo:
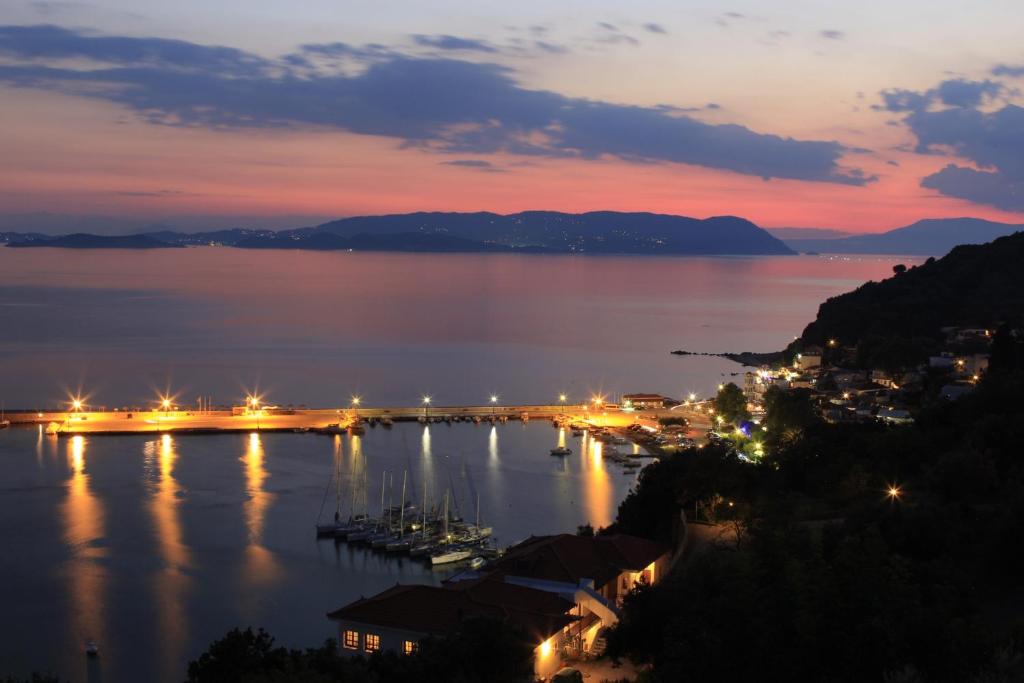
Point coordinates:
[(481, 650), (675, 483), (731, 403), (972, 286), (836, 581), (788, 413)]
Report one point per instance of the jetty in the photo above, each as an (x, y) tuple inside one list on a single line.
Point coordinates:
[(328, 420)]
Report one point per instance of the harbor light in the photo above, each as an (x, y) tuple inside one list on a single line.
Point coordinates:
[(426, 400), (494, 398), (76, 405), (693, 396), (894, 492), (356, 400), (562, 398), (545, 648)]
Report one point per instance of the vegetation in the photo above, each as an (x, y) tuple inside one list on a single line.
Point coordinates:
[(482, 650), (897, 322), (731, 403), (866, 553)]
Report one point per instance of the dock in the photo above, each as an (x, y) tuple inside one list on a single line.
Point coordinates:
[(275, 419)]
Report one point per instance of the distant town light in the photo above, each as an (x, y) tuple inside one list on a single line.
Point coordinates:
[(894, 492), (693, 396), (545, 648)]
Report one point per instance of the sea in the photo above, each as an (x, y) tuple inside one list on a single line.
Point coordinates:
[(153, 546)]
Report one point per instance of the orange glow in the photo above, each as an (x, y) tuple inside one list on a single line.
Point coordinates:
[(545, 648), (84, 528)]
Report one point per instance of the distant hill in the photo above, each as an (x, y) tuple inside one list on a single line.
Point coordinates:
[(599, 232), (787, 234), (972, 286), (930, 237), (85, 241)]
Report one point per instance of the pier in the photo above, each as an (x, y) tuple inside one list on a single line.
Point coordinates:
[(275, 419)]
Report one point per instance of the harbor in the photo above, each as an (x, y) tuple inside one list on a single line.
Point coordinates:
[(255, 416)]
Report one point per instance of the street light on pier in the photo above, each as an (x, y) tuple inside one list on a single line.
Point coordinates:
[(426, 406), (494, 402)]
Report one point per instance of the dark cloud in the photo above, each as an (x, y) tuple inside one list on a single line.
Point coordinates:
[(550, 48), (478, 164), (436, 104), (651, 27), (949, 119), (1007, 70), (981, 187), (455, 43), (963, 93), (832, 34)]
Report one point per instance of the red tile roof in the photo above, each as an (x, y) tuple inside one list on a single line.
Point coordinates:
[(435, 610), (568, 559)]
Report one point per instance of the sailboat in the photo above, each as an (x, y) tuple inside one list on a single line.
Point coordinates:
[(330, 529), (450, 553)]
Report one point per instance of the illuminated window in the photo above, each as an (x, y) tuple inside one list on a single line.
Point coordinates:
[(409, 647), (351, 640), (372, 643)]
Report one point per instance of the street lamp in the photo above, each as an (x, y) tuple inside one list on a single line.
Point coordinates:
[(426, 406), (76, 405), (894, 492)]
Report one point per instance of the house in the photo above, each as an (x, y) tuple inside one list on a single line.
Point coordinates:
[(646, 401), (807, 361), (400, 617), (560, 590)]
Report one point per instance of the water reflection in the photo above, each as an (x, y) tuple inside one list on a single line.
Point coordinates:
[(172, 581), (597, 486), (261, 565), (84, 530)]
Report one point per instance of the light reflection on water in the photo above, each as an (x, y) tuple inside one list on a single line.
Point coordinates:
[(164, 543), (84, 524)]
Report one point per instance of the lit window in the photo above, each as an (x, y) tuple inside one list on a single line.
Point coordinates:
[(409, 647), (351, 640), (372, 643)]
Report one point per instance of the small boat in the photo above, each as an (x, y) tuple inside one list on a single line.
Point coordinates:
[(454, 554), (399, 545), (577, 432), (561, 450), (4, 424), (92, 650), (477, 562)]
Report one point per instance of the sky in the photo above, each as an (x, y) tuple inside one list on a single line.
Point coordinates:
[(120, 115)]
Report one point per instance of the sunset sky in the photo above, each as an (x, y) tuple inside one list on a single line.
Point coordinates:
[(120, 115)]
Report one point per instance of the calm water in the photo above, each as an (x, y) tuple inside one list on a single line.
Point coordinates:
[(155, 546)]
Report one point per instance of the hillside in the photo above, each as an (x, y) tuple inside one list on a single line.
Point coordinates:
[(972, 286), (599, 232), (86, 241), (931, 237), (595, 232)]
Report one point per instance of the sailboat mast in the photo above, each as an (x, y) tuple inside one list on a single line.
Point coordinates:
[(401, 514)]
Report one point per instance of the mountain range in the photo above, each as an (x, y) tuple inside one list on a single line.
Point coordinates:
[(930, 237), (598, 232)]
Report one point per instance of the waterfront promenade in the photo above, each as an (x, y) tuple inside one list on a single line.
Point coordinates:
[(270, 419)]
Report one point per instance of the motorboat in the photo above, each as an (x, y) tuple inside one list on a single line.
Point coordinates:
[(92, 650), (453, 554), (561, 450)]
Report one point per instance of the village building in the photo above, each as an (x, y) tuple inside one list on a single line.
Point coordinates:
[(646, 401), (560, 591)]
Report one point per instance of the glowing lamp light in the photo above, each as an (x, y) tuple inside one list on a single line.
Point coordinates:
[(494, 398), (894, 492), (356, 400), (562, 398), (693, 396), (545, 648), (426, 400), (165, 404), (76, 404)]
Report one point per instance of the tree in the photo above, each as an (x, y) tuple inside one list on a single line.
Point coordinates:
[(731, 403), (899, 269), (787, 414)]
